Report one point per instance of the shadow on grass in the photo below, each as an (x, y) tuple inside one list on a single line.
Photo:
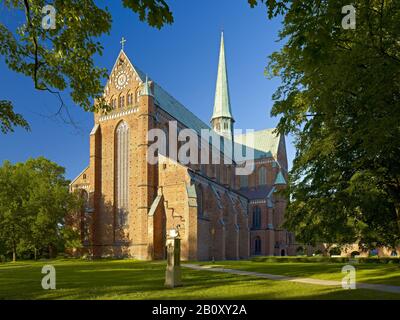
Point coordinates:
[(368, 273), (128, 279)]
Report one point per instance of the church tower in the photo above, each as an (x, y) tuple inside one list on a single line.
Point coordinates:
[(222, 120)]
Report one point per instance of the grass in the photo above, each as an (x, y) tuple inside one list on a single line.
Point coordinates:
[(129, 279), (388, 274)]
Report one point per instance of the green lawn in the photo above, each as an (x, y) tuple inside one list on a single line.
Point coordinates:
[(369, 273), (129, 279)]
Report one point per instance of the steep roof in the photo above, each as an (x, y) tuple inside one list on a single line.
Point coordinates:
[(266, 142), (172, 106), (261, 192), (280, 179)]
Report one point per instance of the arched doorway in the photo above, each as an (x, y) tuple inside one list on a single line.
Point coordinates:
[(283, 253)]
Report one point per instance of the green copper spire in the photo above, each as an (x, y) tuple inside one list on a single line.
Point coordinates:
[(222, 104), (146, 89)]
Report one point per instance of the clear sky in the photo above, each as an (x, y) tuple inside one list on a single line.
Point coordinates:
[(182, 58)]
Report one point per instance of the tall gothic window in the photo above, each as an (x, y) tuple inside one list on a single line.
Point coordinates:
[(129, 99), (137, 94), (122, 173), (121, 101), (262, 176), (256, 217), (244, 181)]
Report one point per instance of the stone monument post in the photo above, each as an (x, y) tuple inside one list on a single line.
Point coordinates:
[(173, 271)]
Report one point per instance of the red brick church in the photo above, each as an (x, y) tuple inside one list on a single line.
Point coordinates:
[(131, 204)]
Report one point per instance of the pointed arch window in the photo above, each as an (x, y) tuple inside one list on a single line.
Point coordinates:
[(121, 102), (256, 217), (244, 181), (137, 94), (122, 174), (262, 176), (129, 98)]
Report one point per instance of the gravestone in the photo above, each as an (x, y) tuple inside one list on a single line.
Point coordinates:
[(173, 271)]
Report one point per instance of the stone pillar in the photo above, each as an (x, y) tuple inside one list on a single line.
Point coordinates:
[(173, 271)]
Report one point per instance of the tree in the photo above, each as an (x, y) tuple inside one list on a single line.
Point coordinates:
[(62, 58), (9, 119), (340, 99), (13, 219), (48, 204), (34, 201)]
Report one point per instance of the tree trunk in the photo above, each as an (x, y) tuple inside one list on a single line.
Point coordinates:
[(35, 250)]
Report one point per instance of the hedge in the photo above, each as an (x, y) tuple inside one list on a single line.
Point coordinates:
[(383, 260)]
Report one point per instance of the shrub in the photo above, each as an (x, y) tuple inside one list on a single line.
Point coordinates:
[(277, 259), (300, 251), (335, 251), (318, 252), (375, 259)]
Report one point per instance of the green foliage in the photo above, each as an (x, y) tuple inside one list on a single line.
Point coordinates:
[(321, 259), (380, 260), (71, 238), (62, 58), (301, 259), (340, 99), (155, 12), (274, 7), (9, 119), (34, 200), (318, 252), (335, 251), (300, 251)]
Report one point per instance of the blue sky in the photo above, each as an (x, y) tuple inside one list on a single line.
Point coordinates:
[(182, 58)]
